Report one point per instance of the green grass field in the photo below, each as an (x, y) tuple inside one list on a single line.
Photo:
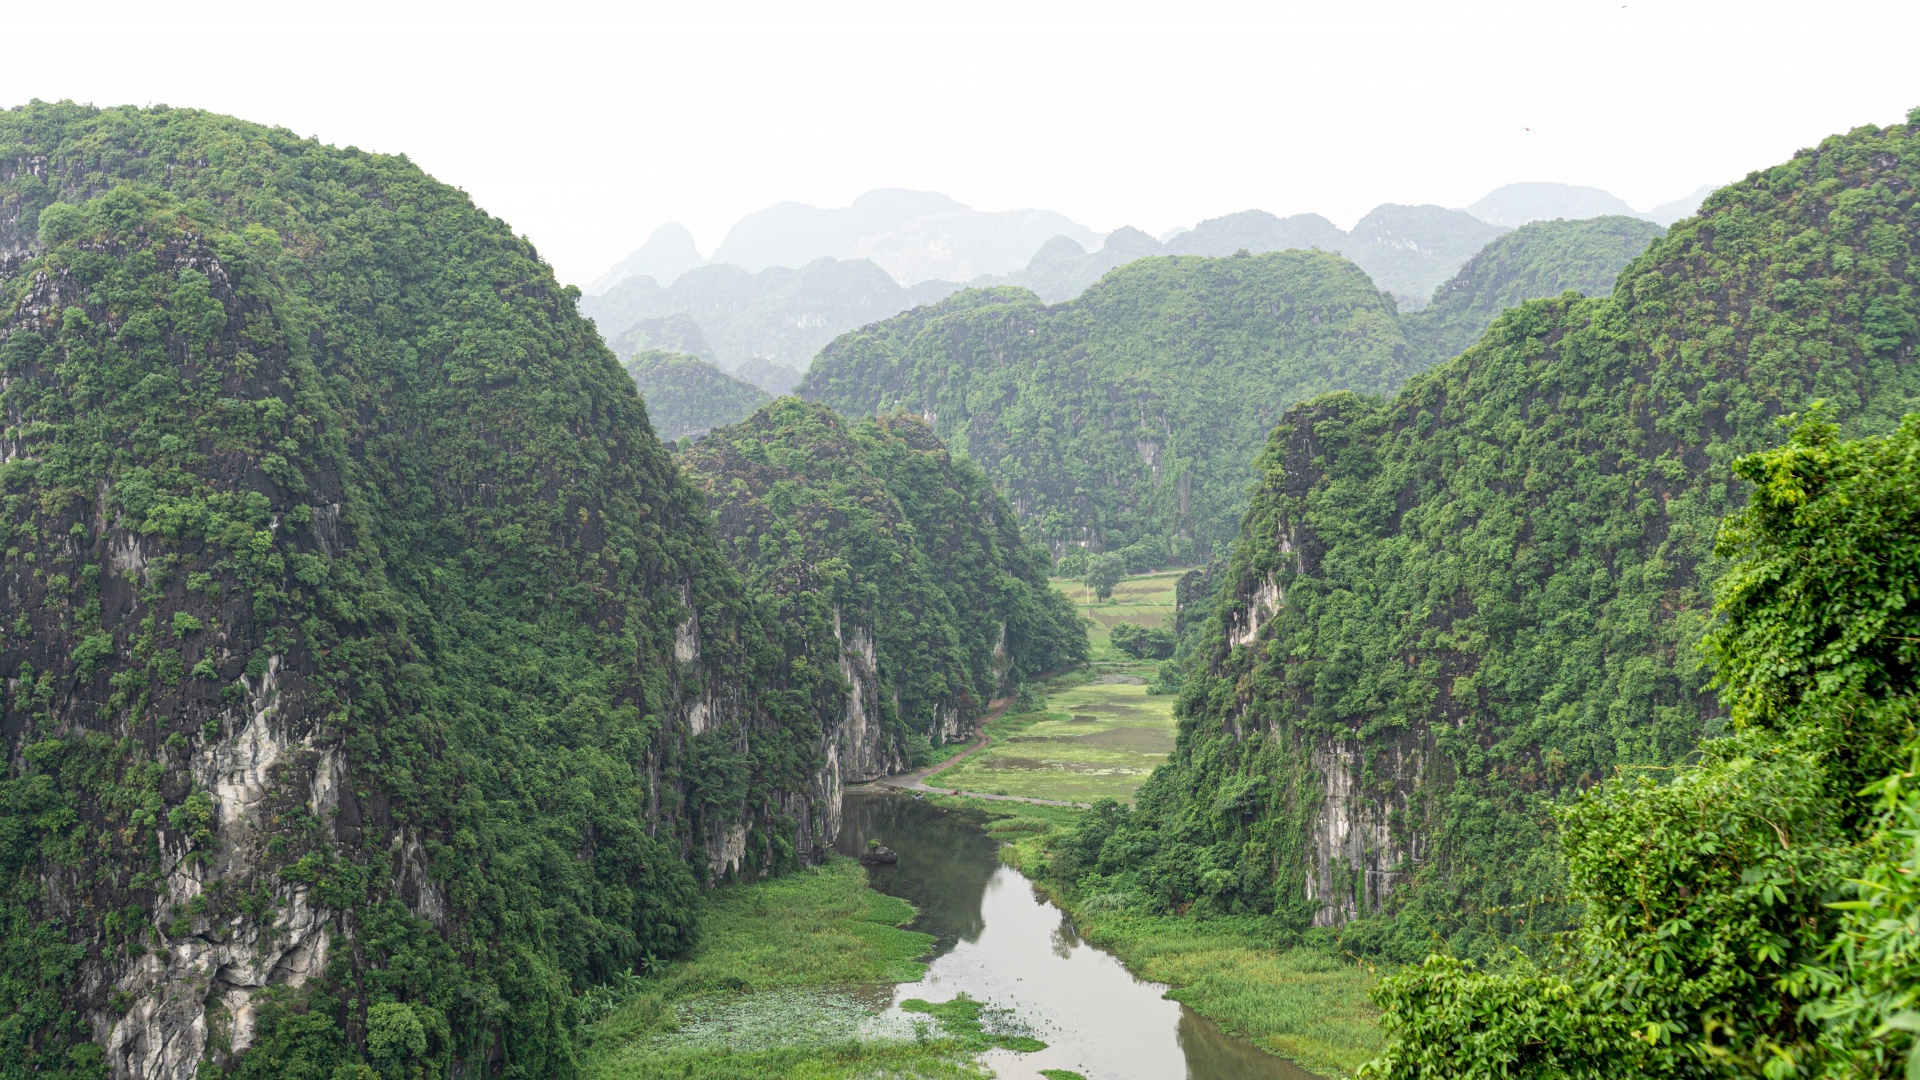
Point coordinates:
[(786, 975), (1100, 734), (1097, 739), (1146, 600)]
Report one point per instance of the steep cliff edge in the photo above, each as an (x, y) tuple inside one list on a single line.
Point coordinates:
[(1449, 610), (373, 679), (895, 574)]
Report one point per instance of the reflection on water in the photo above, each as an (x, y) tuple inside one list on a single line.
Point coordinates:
[(944, 864), (999, 942)]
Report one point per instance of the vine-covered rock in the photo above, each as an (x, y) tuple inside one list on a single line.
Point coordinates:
[(896, 575), (1450, 611), (372, 679)]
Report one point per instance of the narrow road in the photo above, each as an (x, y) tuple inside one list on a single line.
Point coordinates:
[(917, 779)]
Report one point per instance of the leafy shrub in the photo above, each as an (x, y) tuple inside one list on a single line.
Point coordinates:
[(1142, 643), (1104, 572)]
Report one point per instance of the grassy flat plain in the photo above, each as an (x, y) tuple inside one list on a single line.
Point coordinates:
[(1097, 739), (785, 975), (1099, 734), (1145, 600)]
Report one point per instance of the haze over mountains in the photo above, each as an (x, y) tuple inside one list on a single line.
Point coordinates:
[(790, 278)]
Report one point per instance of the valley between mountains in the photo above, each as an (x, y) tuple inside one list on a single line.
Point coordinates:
[(1456, 646)]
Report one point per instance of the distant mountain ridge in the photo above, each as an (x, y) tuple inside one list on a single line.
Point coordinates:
[(1407, 250), (792, 277), (764, 327), (667, 254), (915, 236), (1514, 205)]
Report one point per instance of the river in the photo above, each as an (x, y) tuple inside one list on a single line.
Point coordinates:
[(998, 941)]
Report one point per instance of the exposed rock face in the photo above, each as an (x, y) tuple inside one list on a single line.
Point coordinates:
[(861, 750), (1354, 857), (260, 750)]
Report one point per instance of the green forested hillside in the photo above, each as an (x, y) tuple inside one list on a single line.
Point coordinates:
[(675, 333), (373, 681), (1755, 915), (686, 396), (876, 552), (1533, 261), (1128, 415), (1450, 610)]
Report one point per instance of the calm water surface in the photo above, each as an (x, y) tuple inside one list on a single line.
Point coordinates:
[(999, 942)]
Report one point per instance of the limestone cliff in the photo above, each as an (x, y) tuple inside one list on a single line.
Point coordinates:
[(883, 560), (369, 666), (1451, 611)]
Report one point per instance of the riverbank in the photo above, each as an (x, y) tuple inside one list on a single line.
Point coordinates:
[(783, 982), (1304, 1003)]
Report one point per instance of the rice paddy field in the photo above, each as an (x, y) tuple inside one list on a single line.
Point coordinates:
[(1145, 600), (1097, 738), (1097, 734)]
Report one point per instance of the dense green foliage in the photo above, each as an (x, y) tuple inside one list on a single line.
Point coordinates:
[(1130, 413), (873, 528), (1453, 609), (1754, 915), (1124, 419), (342, 580), (1539, 260), (1142, 643), (687, 396)]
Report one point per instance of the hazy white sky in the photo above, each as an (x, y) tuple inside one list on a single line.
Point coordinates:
[(586, 124)]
